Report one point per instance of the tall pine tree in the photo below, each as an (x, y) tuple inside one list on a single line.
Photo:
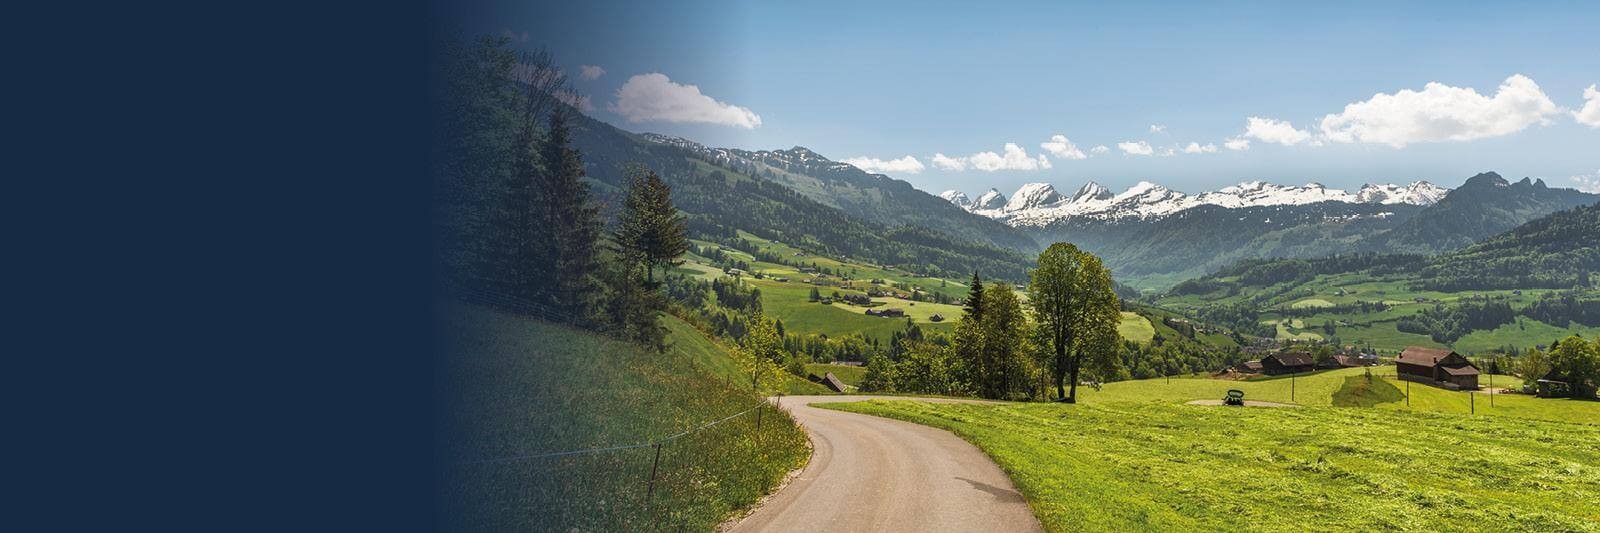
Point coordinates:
[(650, 230), (574, 223), (968, 337)]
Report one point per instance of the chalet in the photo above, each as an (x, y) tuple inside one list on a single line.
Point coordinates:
[(1287, 363), (1250, 367), (891, 312), (857, 299), (936, 318), (1440, 368), (833, 382)]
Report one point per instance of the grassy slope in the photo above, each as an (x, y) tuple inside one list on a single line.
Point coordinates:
[(520, 387), (1146, 466), (1136, 328), (713, 357)]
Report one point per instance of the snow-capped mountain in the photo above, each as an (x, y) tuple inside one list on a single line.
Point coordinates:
[(1418, 193), (1039, 204), (989, 201), (957, 197)]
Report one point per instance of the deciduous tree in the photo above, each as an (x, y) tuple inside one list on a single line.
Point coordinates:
[(1073, 299)]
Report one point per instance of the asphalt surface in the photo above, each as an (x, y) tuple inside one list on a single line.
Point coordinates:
[(875, 474)]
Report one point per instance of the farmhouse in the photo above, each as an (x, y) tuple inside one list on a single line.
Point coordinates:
[(1440, 368), (891, 312), (1250, 367), (1287, 363)]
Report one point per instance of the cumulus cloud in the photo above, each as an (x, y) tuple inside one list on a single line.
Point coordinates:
[(647, 97), (1063, 148), (1197, 148), (1274, 131), (904, 165), (1588, 182), (1158, 128), (1099, 149), (1235, 143), (1590, 114), (949, 163), (590, 72), (1440, 112), (1136, 148), (1014, 158)]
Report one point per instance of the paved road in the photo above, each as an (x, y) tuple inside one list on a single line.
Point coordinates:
[(874, 474)]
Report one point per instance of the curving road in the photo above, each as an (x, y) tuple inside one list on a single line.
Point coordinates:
[(875, 474)]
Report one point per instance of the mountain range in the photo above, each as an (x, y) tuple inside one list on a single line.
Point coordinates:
[(1150, 236), (1040, 205)]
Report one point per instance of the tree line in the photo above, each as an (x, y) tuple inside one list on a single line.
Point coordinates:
[(513, 210), (1000, 351)]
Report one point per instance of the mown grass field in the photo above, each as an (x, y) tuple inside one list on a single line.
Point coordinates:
[(1162, 466), (1320, 389), (519, 388)]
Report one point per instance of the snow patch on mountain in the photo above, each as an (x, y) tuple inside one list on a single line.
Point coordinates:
[(991, 200), (957, 197), (1039, 204)]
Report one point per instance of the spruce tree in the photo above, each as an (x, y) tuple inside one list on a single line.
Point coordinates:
[(650, 230), (968, 337), (574, 223)]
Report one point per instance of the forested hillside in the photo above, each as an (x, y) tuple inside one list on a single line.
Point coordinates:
[(1561, 250), (720, 201), (876, 197), (1483, 206)]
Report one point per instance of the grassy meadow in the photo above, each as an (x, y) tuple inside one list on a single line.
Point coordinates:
[(1164, 466), (520, 387), (1321, 294)]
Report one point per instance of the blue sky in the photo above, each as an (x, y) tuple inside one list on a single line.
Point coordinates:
[(886, 80)]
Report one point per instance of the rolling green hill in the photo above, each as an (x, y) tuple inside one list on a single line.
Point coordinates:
[(519, 387), (1541, 270)]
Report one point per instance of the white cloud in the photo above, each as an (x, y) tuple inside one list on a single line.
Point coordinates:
[(1274, 131), (1158, 128), (1235, 143), (590, 72), (652, 96), (1196, 148), (1136, 148), (1590, 114), (949, 163), (1588, 182), (1440, 112), (904, 165), (1099, 149), (1015, 158), (582, 102), (1063, 148)]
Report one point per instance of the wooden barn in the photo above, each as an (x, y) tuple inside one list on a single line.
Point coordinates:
[(1437, 367), (1287, 363)]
